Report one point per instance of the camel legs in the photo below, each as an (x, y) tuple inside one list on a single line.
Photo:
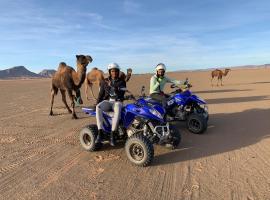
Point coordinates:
[(72, 98), (86, 88), (218, 81), (79, 97), (63, 93), (89, 84), (53, 92)]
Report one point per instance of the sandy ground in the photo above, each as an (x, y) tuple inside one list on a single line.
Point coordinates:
[(41, 157)]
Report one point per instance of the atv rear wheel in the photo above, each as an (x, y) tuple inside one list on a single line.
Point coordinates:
[(196, 123), (88, 137), (139, 150)]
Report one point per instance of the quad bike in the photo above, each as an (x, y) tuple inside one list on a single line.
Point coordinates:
[(182, 105), (140, 127)]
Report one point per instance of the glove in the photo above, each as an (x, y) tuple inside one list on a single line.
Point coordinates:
[(186, 82), (129, 97)]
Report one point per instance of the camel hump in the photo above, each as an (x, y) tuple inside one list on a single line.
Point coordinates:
[(94, 68), (62, 65)]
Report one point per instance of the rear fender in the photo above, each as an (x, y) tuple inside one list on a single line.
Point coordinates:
[(89, 111)]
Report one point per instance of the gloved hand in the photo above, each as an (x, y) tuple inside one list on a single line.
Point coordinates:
[(186, 82), (129, 97)]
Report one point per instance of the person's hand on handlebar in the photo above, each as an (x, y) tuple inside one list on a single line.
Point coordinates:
[(186, 81), (129, 97)]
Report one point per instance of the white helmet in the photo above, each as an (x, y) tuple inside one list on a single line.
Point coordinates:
[(113, 66), (160, 66)]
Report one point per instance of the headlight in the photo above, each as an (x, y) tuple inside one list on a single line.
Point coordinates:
[(156, 113), (205, 107)]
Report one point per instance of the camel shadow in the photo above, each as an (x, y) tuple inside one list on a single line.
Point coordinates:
[(60, 114), (220, 91), (262, 82), (237, 99), (226, 132)]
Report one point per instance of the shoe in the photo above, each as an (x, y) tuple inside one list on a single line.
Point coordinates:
[(99, 136), (112, 139)]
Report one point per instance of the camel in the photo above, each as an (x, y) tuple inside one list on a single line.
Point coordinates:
[(96, 76), (67, 79), (219, 74)]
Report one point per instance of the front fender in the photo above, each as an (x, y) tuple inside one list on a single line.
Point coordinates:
[(197, 99)]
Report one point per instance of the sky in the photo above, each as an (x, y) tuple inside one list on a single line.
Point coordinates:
[(183, 34)]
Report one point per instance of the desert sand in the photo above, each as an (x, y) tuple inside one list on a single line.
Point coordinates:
[(41, 156)]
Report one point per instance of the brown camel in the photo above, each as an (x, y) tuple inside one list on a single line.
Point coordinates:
[(219, 74), (96, 76), (67, 79)]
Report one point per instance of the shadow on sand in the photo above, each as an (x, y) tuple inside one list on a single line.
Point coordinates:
[(262, 82), (236, 99), (226, 132), (220, 91)]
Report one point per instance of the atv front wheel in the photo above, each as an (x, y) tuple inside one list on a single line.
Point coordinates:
[(196, 123), (139, 150), (88, 137)]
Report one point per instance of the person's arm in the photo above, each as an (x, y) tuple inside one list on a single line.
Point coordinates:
[(177, 82), (154, 84), (101, 92), (121, 93)]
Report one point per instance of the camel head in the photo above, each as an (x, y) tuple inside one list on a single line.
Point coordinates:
[(226, 71), (129, 72), (83, 60)]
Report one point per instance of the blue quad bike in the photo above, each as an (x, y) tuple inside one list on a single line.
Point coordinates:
[(141, 125), (182, 105)]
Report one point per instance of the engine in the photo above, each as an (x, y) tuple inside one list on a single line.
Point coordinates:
[(135, 127), (179, 113)]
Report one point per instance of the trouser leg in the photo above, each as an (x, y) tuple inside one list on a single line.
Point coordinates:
[(115, 121), (102, 106), (160, 98), (117, 114)]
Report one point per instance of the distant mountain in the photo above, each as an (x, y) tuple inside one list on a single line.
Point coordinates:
[(230, 67), (47, 73), (18, 72)]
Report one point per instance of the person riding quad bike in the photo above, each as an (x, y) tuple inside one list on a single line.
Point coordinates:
[(110, 98), (158, 82)]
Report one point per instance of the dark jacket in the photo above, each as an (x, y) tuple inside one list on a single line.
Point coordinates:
[(113, 91)]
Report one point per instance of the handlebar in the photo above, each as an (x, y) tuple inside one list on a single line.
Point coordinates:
[(184, 86)]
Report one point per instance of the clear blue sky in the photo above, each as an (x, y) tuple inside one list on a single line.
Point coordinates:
[(184, 34)]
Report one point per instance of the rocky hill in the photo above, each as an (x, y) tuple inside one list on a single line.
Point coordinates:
[(47, 73), (18, 72)]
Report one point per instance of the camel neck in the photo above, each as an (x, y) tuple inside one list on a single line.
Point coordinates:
[(81, 73), (225, 73)]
